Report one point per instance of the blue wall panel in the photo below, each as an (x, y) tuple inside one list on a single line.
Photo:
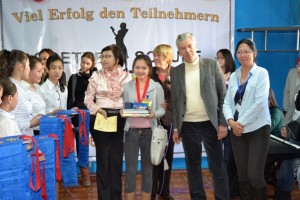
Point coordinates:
[(271, 13)]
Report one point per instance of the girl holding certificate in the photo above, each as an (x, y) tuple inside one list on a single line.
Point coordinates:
[(138, 130)]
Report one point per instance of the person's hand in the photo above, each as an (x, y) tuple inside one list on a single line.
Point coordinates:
[(169, 86), (284, 132), (152, 114), (102, 112), (74, 108), (237, 128), (176, 137), (29, 146), (121, 113), (35, 121), (54, 111), (164, 105), (222, 132)]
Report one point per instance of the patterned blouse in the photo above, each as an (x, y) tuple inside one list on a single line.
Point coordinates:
[(105, 89)]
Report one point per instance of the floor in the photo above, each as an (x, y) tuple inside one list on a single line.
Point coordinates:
[(178, 187)]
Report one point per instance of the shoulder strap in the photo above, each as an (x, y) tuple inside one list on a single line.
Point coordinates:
[(154, 98), (154, 101), (74, 81)]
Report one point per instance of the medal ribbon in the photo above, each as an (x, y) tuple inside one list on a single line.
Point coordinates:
[(137, 88)]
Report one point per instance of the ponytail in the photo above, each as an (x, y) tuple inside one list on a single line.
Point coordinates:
[(8, 61), (4, 54), (15, 56), (61, 84)]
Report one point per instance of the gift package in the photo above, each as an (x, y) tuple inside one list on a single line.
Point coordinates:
[(32, 165), (28, 170)]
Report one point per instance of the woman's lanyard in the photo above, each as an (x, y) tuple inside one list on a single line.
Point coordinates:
[(242, 87), (137, 88)]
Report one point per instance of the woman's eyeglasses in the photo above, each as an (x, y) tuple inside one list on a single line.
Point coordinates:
[(246, 52), (105, 57)]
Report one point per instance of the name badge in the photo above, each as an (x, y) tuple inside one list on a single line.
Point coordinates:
[(238, 107)]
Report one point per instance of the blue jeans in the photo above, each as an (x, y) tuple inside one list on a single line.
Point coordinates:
[(286, 173), (286, 176), (193, 134), (138, 139)]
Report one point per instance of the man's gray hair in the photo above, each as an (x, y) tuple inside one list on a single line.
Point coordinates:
[(182, 37)]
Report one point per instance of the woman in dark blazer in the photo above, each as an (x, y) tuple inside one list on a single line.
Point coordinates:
[(163, 57)]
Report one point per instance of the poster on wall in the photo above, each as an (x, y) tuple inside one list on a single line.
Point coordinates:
[(71, 28)]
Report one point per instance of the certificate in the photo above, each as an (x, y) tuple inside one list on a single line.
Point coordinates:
[(105, 125)]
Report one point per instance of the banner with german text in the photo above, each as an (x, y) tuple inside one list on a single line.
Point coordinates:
[(73, 27)]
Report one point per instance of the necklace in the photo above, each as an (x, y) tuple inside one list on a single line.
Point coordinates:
[(242, 81), (243, 78)]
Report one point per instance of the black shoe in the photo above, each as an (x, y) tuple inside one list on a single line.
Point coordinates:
[(259, 193), (282, 195)]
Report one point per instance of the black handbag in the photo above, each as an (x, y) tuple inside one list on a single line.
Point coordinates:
[(293, 129)]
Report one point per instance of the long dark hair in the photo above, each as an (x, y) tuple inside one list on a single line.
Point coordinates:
[(272, 99), (3, 64), (50, 60), (90, 56), (229, 62)]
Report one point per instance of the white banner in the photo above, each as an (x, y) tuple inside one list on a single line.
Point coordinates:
[(73, 27)]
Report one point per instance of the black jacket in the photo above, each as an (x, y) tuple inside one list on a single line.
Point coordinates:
[(297, 102)]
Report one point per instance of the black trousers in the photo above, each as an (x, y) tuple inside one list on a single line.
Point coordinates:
[(193, 134), (250, 153), (109, 158), (232, 176), (161, 178)]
